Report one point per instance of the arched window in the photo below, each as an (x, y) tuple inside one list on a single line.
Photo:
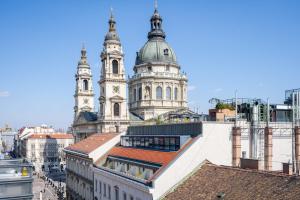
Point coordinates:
[(140, 93), (175, 93), (116, 193), (168, 93), (134, 94), (158, 92), (115, 66), (85, 85), (101, 109), (116, 109)]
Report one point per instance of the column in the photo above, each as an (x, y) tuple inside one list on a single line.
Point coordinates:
[(236, 146), (268, 148)]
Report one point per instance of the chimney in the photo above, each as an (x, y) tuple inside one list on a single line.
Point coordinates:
[(251, 164), (268, 148), (297, 147), (236, 146), (287, 168)]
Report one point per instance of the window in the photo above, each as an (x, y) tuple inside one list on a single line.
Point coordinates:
[(175, 93), (115, 66), (140, 93), (109, 192), (101, 109), (85, 85), (158, 93), (104, 189), (96, 185), (100, 187), (149, 69), (124, 196), (166, 52), (134, 94), (117, 192), (167, 68), (168, 93), (131, 197), (116, 109)]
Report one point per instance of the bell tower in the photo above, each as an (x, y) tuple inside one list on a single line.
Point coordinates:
[(113, 113), (84, 93)]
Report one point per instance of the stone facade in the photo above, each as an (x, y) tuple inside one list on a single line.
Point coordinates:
[(84, 94), (45, 151), (157, 86), (113, 114), (79, 164)]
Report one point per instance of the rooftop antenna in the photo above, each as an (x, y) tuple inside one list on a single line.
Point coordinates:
[(268, 112)]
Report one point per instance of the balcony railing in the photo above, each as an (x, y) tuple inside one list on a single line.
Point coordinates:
[(158, 75)]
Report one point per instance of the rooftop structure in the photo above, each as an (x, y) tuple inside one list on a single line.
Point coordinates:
[(15, 180)]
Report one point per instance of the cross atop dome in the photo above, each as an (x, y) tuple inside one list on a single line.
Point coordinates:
[(112, 33)]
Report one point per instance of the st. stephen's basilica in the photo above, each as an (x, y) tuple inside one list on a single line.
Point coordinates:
[(156, 89)]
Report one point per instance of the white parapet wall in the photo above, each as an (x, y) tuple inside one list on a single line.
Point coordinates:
[(282, 143)]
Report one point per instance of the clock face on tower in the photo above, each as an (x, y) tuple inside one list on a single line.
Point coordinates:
[(85, 101), (116, 89)]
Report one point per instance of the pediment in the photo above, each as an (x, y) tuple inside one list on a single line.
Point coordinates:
[(117, 97), (116, 52)]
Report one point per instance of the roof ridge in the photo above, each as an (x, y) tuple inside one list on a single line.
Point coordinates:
[(274, 173)]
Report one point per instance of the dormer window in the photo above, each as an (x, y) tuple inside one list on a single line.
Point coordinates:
[(166, 52)]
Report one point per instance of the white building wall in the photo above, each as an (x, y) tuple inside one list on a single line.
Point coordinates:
[(132, 189), (99, 152), (282, 143), (282, 152)]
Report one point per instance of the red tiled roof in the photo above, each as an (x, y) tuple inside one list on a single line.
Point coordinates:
[(51, 136), (91, 143), (211, 180), (158, 157)]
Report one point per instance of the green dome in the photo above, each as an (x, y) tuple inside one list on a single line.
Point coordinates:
[(156, 50)]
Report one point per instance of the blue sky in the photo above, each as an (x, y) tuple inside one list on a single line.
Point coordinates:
[(252, 46)]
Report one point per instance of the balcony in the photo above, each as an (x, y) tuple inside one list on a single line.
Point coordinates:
[(158, 75)]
